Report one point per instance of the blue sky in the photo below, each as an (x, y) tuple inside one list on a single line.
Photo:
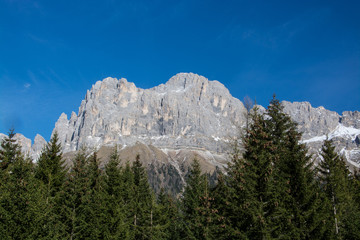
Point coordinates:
[(51, 52)]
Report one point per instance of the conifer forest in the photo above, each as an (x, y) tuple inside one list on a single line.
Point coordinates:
[(270, 189)]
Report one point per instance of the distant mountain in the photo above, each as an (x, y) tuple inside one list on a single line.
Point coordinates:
[(187, 117)]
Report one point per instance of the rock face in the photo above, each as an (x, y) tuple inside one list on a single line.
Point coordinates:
[(317, 124), (188, 117), (188, 111), (31, 150)]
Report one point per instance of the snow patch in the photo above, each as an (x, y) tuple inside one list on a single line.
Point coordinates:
[(339, 131)]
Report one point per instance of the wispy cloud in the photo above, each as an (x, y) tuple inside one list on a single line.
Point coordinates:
[(37, 39), (27, 85), (32, 77)]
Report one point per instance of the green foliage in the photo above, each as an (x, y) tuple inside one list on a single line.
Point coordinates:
[(115, 204), (337, 185), (305, 206), (50, 166), (142, 203), (73, 199), (271, 190), (9, 151), (198, 210), (166, 218), (22, 207)]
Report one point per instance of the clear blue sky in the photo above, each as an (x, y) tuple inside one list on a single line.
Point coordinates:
[(51, 52)]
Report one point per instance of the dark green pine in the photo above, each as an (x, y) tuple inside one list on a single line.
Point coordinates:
[(50, 171), (9, 150), (142, 203), (166, 217), (197, 205), (220, 195), (94, 208), (336, 185), (114, 189), (50, 166), (238, 186), (305, 211), (262, 189), (352, 224), (73, 199), (22, 206)]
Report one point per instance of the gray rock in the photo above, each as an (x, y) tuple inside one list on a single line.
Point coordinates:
[(187, 116), (38, 146), (188, 111)]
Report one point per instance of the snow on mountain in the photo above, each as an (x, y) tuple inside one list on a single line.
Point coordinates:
[(339, 131)]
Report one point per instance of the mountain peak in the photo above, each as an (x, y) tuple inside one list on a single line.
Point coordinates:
[(186, 79)]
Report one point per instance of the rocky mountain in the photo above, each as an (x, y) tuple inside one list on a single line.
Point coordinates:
[(188, 116), (33, 150)]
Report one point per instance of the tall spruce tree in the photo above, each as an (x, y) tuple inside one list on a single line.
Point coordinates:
[(305, 210), (114, 189), (50, 171), (94, 209), (353, 219), (142, 204), (9, 150), (73, 199), (222, 210), (261, 190), (50, 167), (197, 205), (166, 217), (239, 186), (336, 184), (22, 207)]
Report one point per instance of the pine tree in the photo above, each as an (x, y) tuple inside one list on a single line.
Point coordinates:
[(50, 168), (261, 188), (196, 205), (221, 208), (239, 188), (142, 203), (166, 217), (114, 189), (94, 209), (22, 206), (301, 199), (50, 171), (335, 182), (73, 199), (9, 151), (352, 230)]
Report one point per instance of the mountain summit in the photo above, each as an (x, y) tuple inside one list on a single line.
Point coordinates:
[(189, 111), (187, 117)]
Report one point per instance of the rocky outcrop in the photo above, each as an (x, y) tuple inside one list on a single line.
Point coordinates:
[(189, 111), (187, 117), (28, 149)]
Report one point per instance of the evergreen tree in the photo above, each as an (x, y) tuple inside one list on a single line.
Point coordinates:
[(142, 204), (94, 209), (114, 188), (197, 205), (50, 167), (166, 218), (50, 171), (352, 223), (335, 182), (262, 192), (9, 151), (221, 208), (73, 199), (22, 206), (239, 188), (301, 199)]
